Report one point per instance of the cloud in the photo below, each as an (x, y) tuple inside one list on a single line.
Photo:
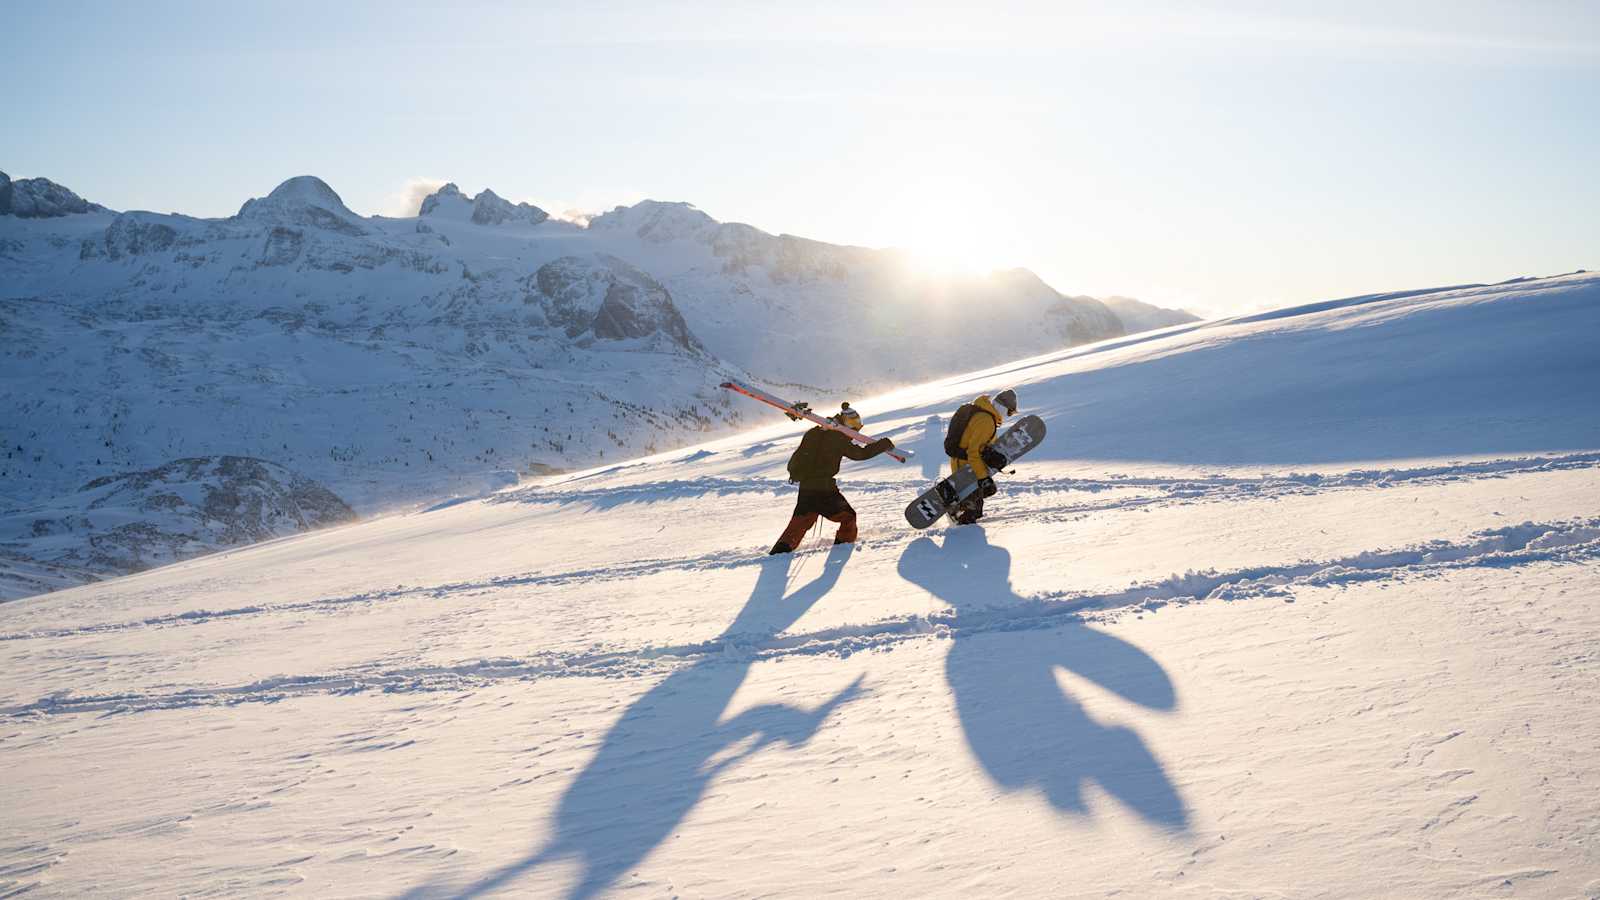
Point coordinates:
[(578, 208), (407, 201), (587, 204)]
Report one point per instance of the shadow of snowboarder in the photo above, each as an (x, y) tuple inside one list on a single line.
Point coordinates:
[(659, 758), (1024, 729)]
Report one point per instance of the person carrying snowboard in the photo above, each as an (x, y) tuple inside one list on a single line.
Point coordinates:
[(972, 430), (812, 466)]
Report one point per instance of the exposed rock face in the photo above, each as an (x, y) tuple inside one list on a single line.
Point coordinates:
[(283, 246), (489, 209), (131, 235), (304, 200), (448, 194), (39, 198), (185, 508), (605, 295)]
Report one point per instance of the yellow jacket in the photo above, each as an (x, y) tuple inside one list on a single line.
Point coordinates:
[(980, 433)]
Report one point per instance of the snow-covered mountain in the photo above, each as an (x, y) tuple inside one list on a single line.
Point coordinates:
[(1137, 316), (399, 361), (394, 361), (1298, 604), (134, 521), (40, 198)]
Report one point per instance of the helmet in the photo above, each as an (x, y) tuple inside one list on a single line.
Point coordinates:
[(848, 417), (1008, 399)]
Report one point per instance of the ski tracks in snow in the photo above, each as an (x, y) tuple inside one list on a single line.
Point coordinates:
[(1126, 493), (1153, 490), (1571, 541)]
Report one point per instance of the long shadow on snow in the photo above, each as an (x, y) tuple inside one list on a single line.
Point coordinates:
[(1025, 730), (658, 759)]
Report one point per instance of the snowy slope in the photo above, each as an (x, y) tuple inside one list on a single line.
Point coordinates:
[(137, 520), (1299, 604)]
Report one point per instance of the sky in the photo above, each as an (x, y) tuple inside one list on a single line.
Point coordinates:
[(1223, 157)]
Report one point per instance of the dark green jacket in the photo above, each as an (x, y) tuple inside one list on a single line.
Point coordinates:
[(816, 460)]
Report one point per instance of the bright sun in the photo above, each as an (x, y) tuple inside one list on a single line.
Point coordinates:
[(946, 228), (948, 254)]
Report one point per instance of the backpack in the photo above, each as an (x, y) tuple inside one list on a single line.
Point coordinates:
[(804, 459), (958, 429)]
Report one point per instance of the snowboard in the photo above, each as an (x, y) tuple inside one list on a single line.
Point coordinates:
[(950, 493)]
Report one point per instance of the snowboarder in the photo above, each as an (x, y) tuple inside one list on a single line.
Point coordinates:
[(812, 466), (972, 430)]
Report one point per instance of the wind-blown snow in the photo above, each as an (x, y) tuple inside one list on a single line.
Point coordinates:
[(1288, 605)]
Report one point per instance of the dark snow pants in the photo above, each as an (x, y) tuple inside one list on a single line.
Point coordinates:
[(827, 503), (972, 507)]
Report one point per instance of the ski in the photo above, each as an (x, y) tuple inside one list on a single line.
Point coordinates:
[(796, 411)]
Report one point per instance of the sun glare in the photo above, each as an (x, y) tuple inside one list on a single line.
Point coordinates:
[(959, 239), (945, 256), (946, 227)]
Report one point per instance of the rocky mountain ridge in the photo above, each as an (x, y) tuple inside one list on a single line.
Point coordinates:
[(132, 521), (40, 198)]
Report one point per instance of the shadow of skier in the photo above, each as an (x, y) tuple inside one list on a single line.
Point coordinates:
[(659, 758), (1024, 729)]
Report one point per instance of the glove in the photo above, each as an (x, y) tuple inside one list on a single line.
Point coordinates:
[(993, 458), (986, 485)]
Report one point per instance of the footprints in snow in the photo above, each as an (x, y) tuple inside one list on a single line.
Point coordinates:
[(1572, 541)]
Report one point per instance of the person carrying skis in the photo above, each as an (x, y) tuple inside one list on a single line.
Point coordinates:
[(812, 466), (972, 430)]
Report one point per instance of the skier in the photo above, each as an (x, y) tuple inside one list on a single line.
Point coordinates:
[(812, 466), (972, 430)]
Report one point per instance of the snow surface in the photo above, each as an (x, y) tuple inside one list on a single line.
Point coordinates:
[(1292, 605)]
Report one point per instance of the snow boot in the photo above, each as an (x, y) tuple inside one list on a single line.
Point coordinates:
[(969, 515)]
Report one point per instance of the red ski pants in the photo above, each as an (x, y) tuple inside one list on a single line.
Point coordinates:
[(830, 505)]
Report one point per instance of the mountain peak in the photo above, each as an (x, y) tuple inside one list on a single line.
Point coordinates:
[(487, 208), (304, 200), (448, 194), (656, 221), (40, 198), (307, 189)]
